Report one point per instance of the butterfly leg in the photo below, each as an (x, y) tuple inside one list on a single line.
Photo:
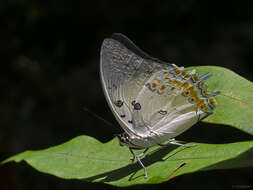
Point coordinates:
[(138, 158), (132, 152), (140, 155), (171, 141)]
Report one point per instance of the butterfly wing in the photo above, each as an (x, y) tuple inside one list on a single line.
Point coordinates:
[(150, 98), (124, 70)]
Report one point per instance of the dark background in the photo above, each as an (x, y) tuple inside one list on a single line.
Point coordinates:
[(49, 70)]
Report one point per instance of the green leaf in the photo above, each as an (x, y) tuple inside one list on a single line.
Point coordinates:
[(86, 158), (235, 103)]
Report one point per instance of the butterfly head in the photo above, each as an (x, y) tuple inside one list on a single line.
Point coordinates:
[(125, 140)]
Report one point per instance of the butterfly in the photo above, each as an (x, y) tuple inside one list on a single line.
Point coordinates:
[(152, 100)]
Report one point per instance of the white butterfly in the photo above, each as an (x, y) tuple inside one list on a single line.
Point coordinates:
[(153, 101)]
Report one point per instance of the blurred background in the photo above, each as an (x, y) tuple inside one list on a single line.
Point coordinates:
[(49, 71)]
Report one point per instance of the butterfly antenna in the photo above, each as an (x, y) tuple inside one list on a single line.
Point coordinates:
[(97, 116)]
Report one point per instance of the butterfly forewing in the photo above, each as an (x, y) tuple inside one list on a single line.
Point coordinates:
[(124, 70)]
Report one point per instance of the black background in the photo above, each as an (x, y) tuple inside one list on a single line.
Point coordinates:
[(49, 70)]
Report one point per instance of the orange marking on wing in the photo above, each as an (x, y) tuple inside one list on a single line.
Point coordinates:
[(153, 85), (149, 72), (204, 107), (172, 88), (196, 108), (168, 79), (185, 75), (162, 87), (197, 100), (195, 77), (176, 71), (178, 83), (194, 100), (165, 73), (135, 68), (201, 84), (192, 91), (158, 80), (206, 93), (121, 59), (212, 101), (201, 102), (185, 85), (126, 64)]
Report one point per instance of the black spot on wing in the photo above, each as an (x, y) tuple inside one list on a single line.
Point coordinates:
[(137, 106), (162, 112), (118, 103)]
